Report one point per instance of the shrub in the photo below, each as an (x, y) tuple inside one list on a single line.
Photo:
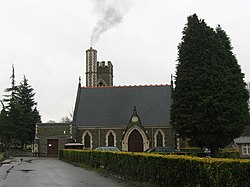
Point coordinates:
[(167, 170), (1, 156)]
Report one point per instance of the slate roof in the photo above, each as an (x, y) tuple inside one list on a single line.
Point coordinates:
[(242, 140), (113, 106), (244, 137)]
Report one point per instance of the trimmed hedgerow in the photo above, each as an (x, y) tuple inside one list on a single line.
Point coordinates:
[(167, 170)]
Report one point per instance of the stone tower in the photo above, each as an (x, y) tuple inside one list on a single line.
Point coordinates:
[(97, 73), (104, 74), (91, 67)]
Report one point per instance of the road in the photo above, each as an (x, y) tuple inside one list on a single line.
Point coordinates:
[(50, 172)]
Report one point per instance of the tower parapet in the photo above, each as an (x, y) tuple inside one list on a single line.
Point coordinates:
[(105, 73)]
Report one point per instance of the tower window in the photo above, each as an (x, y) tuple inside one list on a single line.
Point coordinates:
[(100, 84)]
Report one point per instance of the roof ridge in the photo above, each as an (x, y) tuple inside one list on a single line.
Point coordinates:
[(128, 86)]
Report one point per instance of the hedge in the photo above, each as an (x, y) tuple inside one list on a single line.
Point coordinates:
[(167, 170), (1, 156), (224, 153)]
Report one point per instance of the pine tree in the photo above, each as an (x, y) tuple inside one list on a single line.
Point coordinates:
[(29, 115), (209, 100)]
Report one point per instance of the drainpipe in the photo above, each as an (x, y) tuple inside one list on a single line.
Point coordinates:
[(99, 137), (152, 139)]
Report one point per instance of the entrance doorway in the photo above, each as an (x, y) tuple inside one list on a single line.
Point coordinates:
[(52, 147), (135, 142)]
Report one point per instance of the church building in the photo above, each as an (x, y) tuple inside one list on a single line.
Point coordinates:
[(132, 118)]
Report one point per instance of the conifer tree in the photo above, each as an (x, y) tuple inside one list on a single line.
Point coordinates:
[(4, 126), (209, 100), (29, 115), (11, 111), (19, 116)]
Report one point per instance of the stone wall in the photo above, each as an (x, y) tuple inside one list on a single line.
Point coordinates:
[(99, 136), (45, 131)]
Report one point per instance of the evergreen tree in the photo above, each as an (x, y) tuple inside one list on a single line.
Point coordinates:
[(4, 126), (209, 100), (19, 116), (29, 115), (11, 112)]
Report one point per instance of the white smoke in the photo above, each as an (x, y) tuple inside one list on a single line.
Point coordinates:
[(111, 13)]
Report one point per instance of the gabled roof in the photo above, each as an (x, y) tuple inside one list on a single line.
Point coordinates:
[(242, 140), (113, 106)]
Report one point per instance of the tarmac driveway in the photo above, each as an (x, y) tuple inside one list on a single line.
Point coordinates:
[(43, 172)]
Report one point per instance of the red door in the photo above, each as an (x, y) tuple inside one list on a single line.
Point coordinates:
[(135, 142), (52, 147)]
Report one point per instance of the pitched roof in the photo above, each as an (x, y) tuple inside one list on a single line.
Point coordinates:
[(113, 106), (242, 140)]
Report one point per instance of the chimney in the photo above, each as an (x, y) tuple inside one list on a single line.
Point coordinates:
[(91, 67)]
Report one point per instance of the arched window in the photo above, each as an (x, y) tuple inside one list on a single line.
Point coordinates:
[(101, 82), (111, 139), (159, 142), (87, 140), (159, 138)]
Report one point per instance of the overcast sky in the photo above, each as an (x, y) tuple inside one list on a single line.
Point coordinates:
[(46, 41)]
